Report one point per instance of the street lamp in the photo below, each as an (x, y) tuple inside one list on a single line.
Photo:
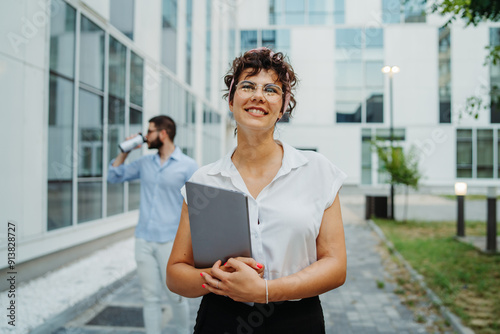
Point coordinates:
[(491, 222), (460, 191), (391, 70)]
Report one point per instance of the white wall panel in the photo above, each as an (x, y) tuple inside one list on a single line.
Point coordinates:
[(315, 68)]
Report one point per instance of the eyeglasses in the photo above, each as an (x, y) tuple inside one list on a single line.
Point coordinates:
[(151, 131), (246, 89)]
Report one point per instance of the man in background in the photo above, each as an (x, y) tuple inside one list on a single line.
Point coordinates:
[(162, 175)]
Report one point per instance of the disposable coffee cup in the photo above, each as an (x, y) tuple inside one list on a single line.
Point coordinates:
[(129, 145)]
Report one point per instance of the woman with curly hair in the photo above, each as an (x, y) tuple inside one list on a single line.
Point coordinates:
[(297, 235)]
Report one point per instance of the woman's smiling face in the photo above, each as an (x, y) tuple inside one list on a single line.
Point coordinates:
[(256, 112)]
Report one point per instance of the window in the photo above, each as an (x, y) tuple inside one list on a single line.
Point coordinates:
[(495, 79), (169, 35), (90, 161), (484, 153), (372, 170), (211, 134), (444, 75), (116, 119), (277, 40), (189, 39), (476, 149), (397, 11), (312, 12), (359, 82), (60, 132), (208, 56), (91, 54), (79, 134), (464, 153), (122, 16)]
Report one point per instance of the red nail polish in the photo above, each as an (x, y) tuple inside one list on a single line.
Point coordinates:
[(201, 274), (259, 265), (203, 285)]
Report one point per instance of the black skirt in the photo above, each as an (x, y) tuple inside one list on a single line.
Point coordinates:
[(222, 315)]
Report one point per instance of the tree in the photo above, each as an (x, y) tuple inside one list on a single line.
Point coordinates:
[(473, 12), (402, 167)]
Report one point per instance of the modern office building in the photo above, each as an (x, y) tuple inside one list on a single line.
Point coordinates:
[(78, 76)]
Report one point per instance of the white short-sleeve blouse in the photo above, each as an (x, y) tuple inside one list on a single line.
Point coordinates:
[(285, 217)]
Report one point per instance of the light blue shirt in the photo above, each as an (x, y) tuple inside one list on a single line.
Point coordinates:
[(161, 199)]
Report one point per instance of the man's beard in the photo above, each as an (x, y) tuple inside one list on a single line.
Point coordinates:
[(157, 143)]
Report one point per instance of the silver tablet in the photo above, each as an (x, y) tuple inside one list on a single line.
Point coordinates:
[(219, 224)]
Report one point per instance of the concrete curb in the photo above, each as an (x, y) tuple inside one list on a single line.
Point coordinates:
[(62, 318), (455, 321)]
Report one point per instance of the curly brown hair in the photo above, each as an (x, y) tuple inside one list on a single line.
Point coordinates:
[(264, 58)]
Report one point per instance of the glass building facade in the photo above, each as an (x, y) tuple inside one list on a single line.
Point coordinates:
[(96, 99)]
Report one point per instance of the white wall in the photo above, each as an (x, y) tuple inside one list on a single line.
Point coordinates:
[(253, 13), (340, 144), (147, 27), (413, 48), (469, 76), (315, 69), (363, 13)]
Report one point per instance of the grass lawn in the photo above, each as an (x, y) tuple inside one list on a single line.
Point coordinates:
[(467, 281)]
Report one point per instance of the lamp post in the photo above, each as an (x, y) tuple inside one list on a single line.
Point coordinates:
[(460, 192), (491, 223), (391, 70)]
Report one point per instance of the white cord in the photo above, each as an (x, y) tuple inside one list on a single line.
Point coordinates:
[(267, 293)]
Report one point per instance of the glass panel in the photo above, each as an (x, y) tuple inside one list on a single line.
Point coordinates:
[(348, 112), (136, 78), (464, 153), (320, 12), (484, 153), (373, 74), (89, 201), (495, 79), (444, 75), (366, 156), (348, 43), (134, 186), (189, 38), (374, 37), (339, 13), (122, 16), (414, 11), (169, 17), (60, 153), (269, 39), (348, 38), (62, 39), (375, 108), (90, 141), (295, 11), (391, 11), (116, 133), (117, 68), (91, 54), (283, 40), (115, 198), (349, 74), (169, 34), (248, 40)]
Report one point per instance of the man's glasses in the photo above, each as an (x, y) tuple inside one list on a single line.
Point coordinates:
[(246, 89), (151, 131)]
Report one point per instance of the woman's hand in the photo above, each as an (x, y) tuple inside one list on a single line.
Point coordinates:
[(259, 268), (239, 278)]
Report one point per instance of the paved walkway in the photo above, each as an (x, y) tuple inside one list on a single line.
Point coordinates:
[(360, 306)]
